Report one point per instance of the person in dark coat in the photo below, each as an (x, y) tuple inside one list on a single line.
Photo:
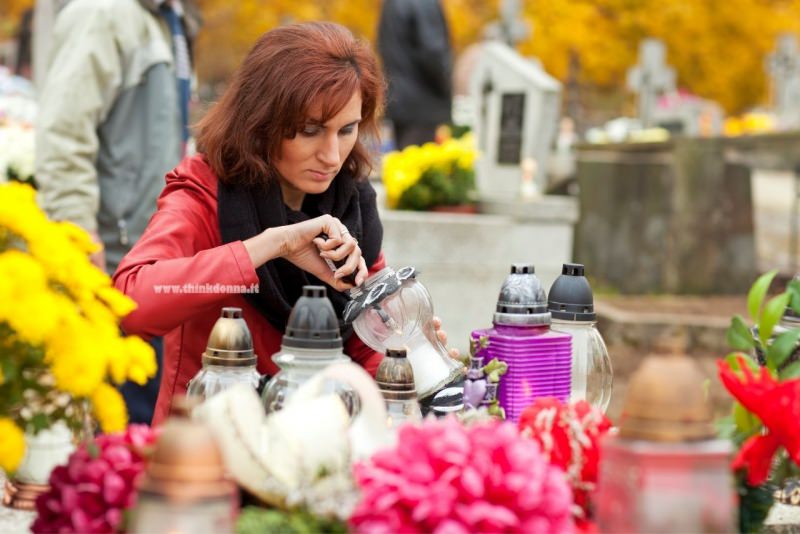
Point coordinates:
[(414, 44)]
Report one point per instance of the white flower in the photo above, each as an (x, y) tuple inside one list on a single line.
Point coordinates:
[(16, 152)]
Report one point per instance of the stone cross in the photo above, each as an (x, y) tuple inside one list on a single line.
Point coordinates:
[(783, 67), (650, 78), (511, 28)]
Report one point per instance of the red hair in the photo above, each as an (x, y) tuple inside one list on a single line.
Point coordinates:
[(268, 100)]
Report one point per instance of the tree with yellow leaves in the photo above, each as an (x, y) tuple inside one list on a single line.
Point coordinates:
[(718, 47)]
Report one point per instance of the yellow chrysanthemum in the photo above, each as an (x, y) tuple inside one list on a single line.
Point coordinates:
[(120, 304), (78, 236), (35, 317), (401, 170), (132, 359), (20, 215), (142, 360), (78, 360), (12, 445), (26, 302), (109, 409), (52, 296)]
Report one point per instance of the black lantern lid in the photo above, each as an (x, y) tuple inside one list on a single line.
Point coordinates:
[(313, 323), (522, 300), (375, 290), (570, 297)]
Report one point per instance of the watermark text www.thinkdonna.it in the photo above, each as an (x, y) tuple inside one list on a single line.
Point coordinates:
[(179, 289)]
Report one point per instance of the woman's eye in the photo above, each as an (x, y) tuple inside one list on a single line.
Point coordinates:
[(309, 131), (347, 130)]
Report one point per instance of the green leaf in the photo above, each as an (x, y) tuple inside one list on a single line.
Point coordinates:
[(770, 315), (9, 368), (39, 422), (790, 371), (725, 427), (738, 334), (746, 422), (758, 291), (754, 504), (781, 469), (783, 347), (793, 288)]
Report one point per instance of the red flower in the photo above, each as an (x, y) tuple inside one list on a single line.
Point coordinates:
[(98, 483), (776, 404), (569, 435)]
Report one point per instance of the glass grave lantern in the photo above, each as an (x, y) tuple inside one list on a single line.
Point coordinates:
[(665, 471), (312, 342), (395, 379), (229, 357), (539, 359), (184, 487), (392, 310), (571, 305)]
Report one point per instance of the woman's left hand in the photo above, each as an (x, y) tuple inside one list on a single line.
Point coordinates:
[(344, 249), (442, 335)]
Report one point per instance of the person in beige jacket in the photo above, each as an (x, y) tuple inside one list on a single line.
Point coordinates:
[(111, 122)]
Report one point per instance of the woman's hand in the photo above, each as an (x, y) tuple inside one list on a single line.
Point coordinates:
[(442, 335), (343, 255), (299, 244)]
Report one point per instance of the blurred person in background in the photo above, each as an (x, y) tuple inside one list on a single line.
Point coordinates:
[(24, 61), (112, 121), (414, 44)]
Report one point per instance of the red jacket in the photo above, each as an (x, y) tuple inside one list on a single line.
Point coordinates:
[(182, 245)]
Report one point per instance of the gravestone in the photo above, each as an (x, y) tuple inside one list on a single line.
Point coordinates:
[(673, 217), (650, 78), (783, 67), (516, 111), (690, 115)]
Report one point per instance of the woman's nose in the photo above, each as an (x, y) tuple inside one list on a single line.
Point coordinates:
[(328, 153)]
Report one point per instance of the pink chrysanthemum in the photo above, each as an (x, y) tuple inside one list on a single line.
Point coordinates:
[(443, 477), (97, 485)]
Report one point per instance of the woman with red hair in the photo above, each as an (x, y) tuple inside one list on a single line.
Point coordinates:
[(281, 161)]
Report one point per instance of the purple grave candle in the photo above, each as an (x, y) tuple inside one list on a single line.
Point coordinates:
[(539, 359)]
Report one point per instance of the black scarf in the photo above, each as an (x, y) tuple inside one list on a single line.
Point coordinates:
[(245, 212)]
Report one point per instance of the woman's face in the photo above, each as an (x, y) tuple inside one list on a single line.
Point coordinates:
[(311, 160)]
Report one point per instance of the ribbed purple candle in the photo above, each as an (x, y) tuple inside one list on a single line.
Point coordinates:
[(539, 364)]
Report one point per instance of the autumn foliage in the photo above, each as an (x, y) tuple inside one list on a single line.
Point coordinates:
[(718, 47)]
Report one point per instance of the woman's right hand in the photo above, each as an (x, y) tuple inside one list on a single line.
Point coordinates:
[(299, 243)]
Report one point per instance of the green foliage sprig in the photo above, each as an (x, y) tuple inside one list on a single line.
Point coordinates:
[(765, 315), (779, 355)]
